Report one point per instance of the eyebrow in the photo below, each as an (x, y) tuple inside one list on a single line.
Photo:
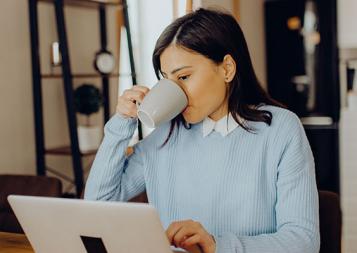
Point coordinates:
[(176, 70)]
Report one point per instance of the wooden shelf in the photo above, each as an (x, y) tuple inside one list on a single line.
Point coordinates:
[(82, 75), (66, 150), (88, 3)]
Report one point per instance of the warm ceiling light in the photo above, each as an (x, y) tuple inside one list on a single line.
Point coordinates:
[(294, 23)]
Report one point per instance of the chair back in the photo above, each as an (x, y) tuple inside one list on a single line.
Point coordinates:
[(23, 185)]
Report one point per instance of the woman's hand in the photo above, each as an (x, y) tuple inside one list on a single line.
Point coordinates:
[(126, 105), (191, 236)]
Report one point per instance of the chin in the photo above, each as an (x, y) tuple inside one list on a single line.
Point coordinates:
[(192, 119)]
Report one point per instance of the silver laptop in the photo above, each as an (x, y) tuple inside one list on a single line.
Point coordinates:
[(72, 225)]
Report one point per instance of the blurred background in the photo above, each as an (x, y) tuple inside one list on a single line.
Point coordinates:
[(64, 63)]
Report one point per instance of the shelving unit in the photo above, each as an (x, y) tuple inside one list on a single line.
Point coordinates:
[(82, 75), (68, 76)]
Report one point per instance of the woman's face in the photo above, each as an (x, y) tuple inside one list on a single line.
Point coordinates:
[(204, 82)]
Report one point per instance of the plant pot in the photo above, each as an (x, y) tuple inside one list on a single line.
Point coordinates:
[(89, 137)]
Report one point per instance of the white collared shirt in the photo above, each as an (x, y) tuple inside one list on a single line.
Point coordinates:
[(221, 126)]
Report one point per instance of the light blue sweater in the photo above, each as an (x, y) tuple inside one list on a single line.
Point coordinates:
[(256, 193)]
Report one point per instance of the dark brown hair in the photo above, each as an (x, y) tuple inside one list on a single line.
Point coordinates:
[(215, 34)]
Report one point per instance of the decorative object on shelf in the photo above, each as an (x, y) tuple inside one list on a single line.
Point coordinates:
[(55, 54), (104, 62), (88, 100)]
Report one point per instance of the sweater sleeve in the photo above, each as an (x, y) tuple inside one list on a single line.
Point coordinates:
[(297, 211), (113, 175)]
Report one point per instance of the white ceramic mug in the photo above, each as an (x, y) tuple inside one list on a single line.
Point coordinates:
[(163, 102)]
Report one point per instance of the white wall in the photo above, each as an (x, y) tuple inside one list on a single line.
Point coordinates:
[(225, 4), (17, 141), (251, 20), (154, 16), (347, 29)]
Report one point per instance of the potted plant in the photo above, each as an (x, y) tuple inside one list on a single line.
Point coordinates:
[(88, 100)]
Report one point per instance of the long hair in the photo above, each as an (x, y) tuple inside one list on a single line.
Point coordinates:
[(214, 34)]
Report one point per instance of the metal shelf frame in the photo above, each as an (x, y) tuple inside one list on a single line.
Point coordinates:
[(67, 77)]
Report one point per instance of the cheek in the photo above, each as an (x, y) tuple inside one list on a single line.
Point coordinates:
[(204, 95), (207, 93)]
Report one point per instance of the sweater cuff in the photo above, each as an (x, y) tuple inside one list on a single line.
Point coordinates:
[(228, 243), (120, 126)]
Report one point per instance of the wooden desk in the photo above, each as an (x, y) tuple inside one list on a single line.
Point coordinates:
[(18, 243), (14, 243)]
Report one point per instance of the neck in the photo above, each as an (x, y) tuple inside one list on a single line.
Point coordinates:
[(220, 112)]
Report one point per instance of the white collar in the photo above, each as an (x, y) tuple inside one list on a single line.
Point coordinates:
[(222, 126)]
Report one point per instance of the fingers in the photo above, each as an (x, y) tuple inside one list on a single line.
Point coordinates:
[(127, 109), (203, 241), (126, 105), (195, 239), (194, 249), (190, 235), (178, 231), (182, 234), (141, 88), (133, 95), (189, 229), (172, 230)]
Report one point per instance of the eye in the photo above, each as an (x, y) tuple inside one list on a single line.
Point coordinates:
[(183, 78)]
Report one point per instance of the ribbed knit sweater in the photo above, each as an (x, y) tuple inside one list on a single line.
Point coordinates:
[(254, 192)]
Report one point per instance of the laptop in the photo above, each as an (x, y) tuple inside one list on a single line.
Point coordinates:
[(82, 226)]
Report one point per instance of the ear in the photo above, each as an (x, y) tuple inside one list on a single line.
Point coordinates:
[(229, 67)]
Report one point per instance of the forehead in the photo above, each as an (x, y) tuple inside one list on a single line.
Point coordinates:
[(175, 56)]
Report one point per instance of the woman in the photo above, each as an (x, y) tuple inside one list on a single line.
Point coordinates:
[(234, 171)]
